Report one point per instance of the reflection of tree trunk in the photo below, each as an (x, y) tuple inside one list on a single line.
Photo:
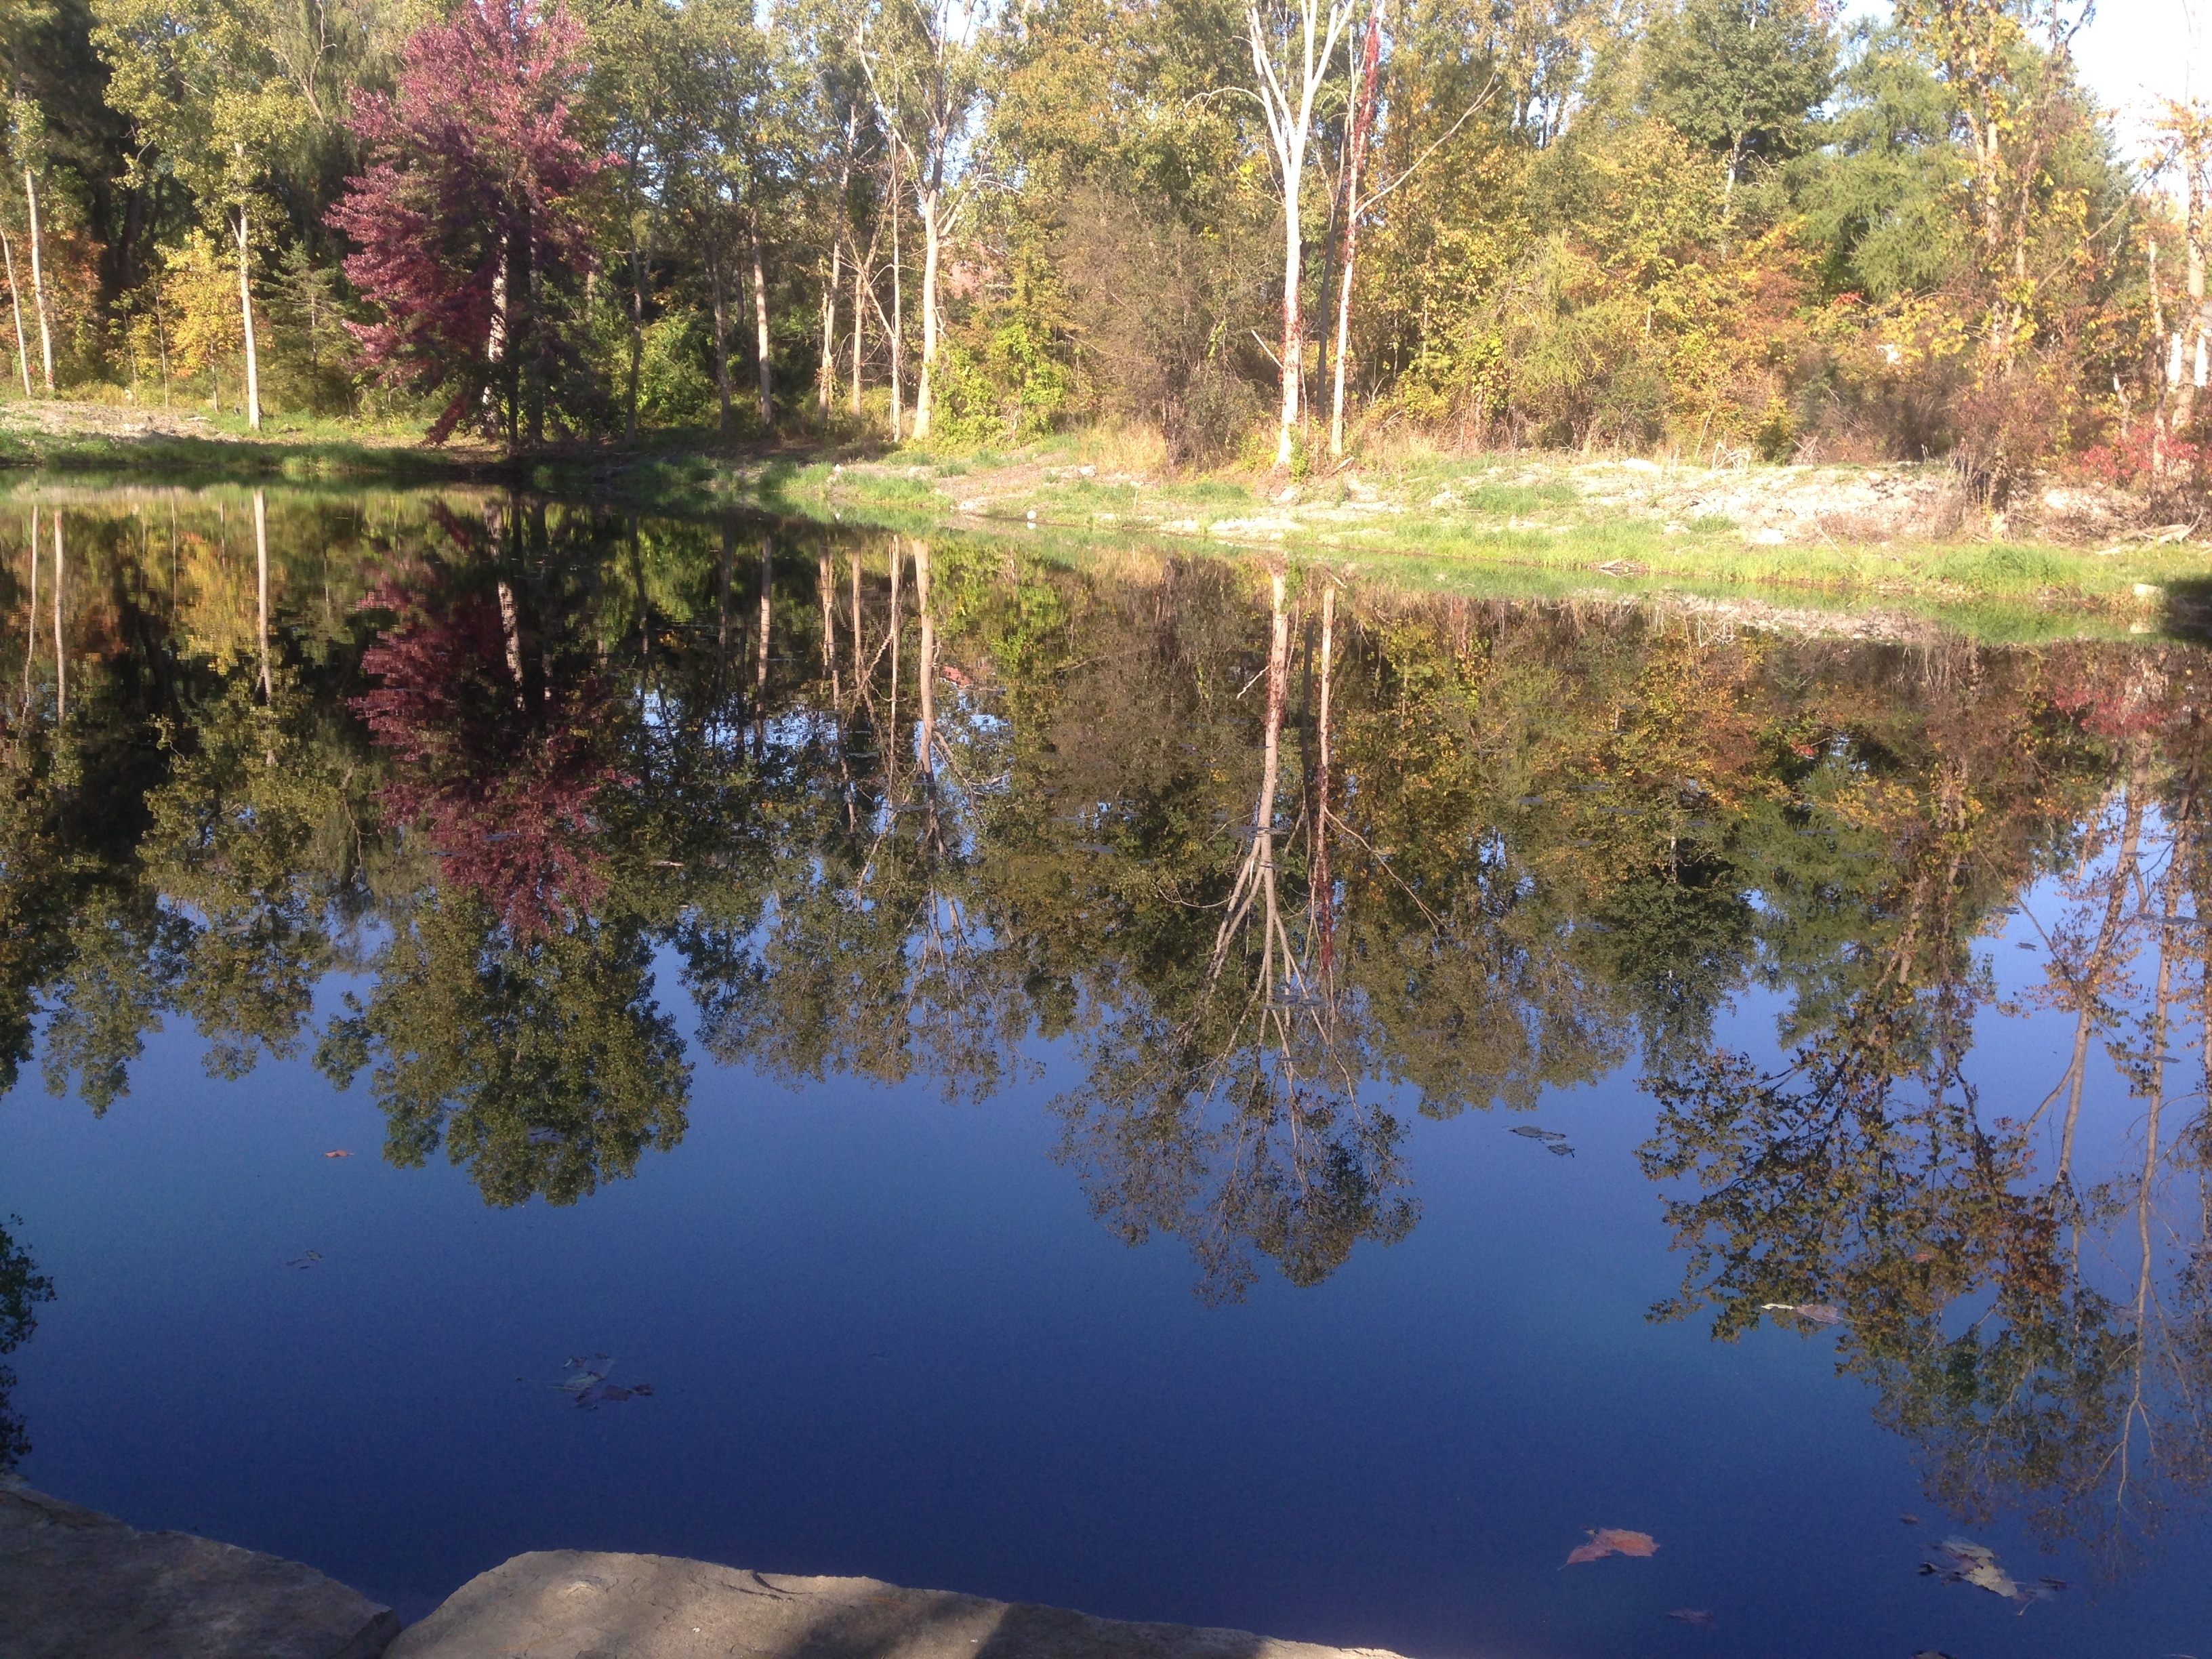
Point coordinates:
[(2161, 1010), (925, 668), (61, 650), (859, 680), (722, 607), (760, 671), (825, 584), (1256, 878), (31, 630), (1323, 889), (261, 589), (890, 749), (510, 626), (2086, 985)]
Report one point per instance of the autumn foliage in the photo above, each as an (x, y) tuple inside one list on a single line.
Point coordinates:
[(470, 245)]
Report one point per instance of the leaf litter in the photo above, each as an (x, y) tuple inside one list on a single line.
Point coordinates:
[(1550, 1140), (1962, 1561), (1611, 1541), (305, 1260), (587, 1383), (1697, 1616)]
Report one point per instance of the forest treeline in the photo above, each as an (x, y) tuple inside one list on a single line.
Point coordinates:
[(1726, 226), (1269, 862)]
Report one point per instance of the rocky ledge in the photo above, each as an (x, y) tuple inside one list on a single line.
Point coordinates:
[(78, 1585)]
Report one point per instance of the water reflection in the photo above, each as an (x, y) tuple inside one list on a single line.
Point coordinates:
[(1272, 859)]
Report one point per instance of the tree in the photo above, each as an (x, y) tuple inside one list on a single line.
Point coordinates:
[(1742, 77), (215, 105), (924, 69), (1302, 35), (466, 220)]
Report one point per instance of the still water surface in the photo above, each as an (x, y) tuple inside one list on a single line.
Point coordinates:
[(1032, 1064)]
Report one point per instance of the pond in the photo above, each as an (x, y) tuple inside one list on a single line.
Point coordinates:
[(1167, 1086)]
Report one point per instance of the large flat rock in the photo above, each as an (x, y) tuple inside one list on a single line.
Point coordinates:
[(77, 1584), (569, 1604)]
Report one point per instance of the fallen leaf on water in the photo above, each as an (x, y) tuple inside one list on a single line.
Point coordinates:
[(338, 1154), (1611, 1541), (1910, 1520), (1559, 1149), (1536, 1134), (304, 1262), (1697, 1616), (1930, 1653), (1964, 1562)]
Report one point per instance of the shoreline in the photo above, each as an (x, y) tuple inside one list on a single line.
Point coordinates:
[(74, 1583)]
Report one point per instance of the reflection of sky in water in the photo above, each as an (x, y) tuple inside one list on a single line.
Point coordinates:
[(886, 1338), (887, 1335)]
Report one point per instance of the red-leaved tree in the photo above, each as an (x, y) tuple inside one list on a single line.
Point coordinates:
[(471, 243)]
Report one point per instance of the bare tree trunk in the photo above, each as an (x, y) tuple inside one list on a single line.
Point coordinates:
[(261, 588), (827, 390), (1286, 95), (898, 323), (39, 279), (246, 319), (930, 203), (721, 333), (859, 329), (759, 317), (1362, 122), (15, 304), (495, 346), (636, 330)]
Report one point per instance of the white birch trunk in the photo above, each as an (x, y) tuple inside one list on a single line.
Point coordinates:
[(15, 305), (38, 280), (760, 321), (930, 204), (246, 316)]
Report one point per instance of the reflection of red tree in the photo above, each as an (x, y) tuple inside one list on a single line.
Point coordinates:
[(498, 775)]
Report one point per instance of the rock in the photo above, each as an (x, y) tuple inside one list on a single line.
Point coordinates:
[(569, 1604), (74, 1583)]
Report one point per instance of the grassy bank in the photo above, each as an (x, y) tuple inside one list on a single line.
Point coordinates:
[(1837, 540)]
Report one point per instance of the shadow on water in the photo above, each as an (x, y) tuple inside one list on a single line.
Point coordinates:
[(1275, 860)]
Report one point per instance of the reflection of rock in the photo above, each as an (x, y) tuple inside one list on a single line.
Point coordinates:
[(657, 1607), (74, 1583)]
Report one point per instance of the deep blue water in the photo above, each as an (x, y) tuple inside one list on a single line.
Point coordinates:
[(886, 1339)]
